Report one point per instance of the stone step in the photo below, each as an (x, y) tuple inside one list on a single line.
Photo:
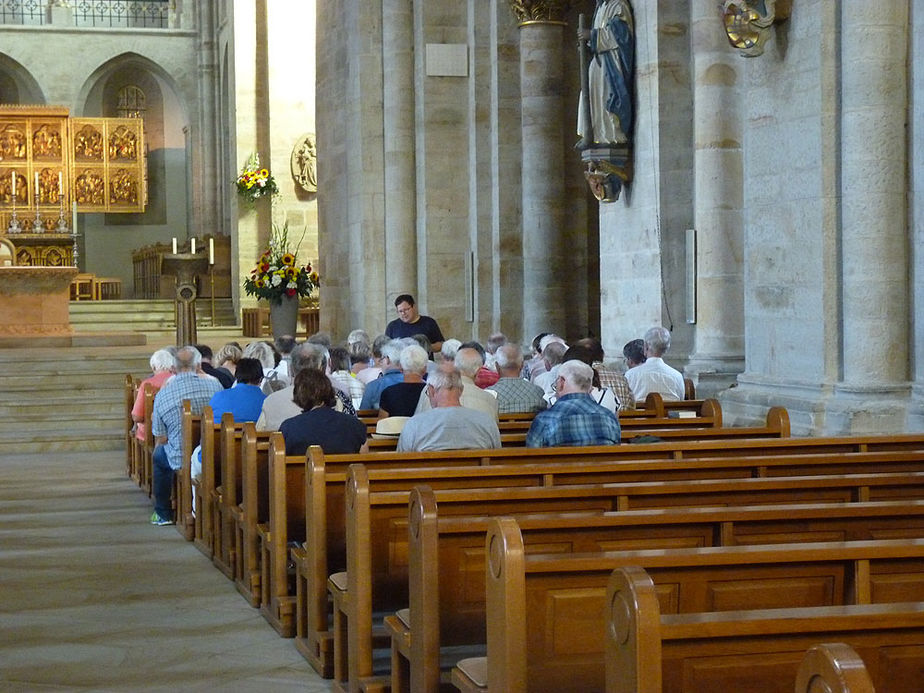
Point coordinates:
[(57, 422), (62, 440), (89, 316), (25, 410)]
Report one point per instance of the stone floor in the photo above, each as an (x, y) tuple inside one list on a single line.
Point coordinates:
[(94, 598)]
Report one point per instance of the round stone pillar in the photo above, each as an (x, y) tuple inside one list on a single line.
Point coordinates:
[(874, 258), (718, 198), (546, 266), (398, 122)]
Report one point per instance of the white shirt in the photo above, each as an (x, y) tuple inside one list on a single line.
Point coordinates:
[(655, 376)]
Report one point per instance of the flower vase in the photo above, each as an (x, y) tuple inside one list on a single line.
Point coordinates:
[(284, 316)]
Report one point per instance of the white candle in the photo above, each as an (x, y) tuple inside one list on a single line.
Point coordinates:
[(192, 245), (211, 251), (74, 218), (13, 176), (36, 187), (174, 246), (60, 184)]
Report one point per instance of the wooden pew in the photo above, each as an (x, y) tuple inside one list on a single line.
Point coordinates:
[(252, 510), (132, 444), (228, 495), (191, 432), (445, 559), (325, 553), (374, 581), (672, 429), (761, 649), (833, 668), (546, 613), (285, 523), (205, 485), (146, 472)]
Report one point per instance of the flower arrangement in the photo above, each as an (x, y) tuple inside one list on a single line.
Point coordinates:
[(278, 273), (255, 182)]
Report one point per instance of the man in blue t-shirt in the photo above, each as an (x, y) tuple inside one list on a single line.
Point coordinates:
[(410, 322)]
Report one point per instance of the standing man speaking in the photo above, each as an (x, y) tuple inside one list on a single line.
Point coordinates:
[(411, 322)]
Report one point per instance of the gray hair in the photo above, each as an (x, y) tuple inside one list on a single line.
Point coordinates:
[(359, 336), (449, 349), (414, 359), (657, 341), (229, 352), (495, 341), (578, 373), (162, 360), (188, 359), (307, 355), (445, 380), (391, 350), (553, 352), (508, 356), (262, 352), (468, 361), (550, 339)]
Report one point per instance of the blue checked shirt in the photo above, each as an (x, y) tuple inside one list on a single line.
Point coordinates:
[(575, 419), (167, 417)]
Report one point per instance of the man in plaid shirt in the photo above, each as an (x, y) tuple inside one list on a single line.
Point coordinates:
[(166, 425), (575, 419)]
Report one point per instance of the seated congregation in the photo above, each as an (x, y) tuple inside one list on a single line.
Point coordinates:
[(467, 517)]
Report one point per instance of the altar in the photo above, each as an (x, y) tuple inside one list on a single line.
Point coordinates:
[(34, 301)]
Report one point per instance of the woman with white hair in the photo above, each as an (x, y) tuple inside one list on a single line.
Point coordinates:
[(163, 365), (401, 398)]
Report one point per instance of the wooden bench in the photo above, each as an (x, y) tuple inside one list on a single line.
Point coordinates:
[(375, 581), (250, 511), (762, 649), (133, 445), (325, 554), (445, 557), (546, 613), (227, 495), (286, 522), (833, 668), (191, 432), (146, 472)]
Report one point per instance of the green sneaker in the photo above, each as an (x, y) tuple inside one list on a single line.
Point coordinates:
[(159, 521)]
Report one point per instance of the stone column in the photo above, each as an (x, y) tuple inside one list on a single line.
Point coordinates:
[(545, 271), (874, 239), (398, 122), (206, 177), (718, 354)]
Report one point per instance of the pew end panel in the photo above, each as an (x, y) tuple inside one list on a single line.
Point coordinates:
[(633, 643), (284, 523), (183, 512), (833, 668)]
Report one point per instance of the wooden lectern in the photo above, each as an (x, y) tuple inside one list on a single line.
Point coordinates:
[(185, 267)]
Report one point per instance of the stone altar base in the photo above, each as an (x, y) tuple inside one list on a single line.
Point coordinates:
[(34, 301)]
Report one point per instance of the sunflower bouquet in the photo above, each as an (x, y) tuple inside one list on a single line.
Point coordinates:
[(278, 273), (254, 182)]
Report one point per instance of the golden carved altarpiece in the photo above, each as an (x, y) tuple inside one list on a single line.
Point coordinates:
[(56, 161)]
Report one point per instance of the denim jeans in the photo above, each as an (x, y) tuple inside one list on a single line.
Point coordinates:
[(162, 484)]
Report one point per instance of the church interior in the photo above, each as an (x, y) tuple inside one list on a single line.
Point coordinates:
[(755, 191)]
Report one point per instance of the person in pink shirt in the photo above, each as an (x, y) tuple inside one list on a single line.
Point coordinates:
[(162, 367)]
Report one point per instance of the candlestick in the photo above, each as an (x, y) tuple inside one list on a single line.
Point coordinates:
[(192, 246), (211, 251), (174, 246)]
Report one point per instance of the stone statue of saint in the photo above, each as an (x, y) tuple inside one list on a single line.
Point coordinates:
[(606, 99), (305, 164)]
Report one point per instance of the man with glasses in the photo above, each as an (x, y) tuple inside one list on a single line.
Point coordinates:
[(575, 418)]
